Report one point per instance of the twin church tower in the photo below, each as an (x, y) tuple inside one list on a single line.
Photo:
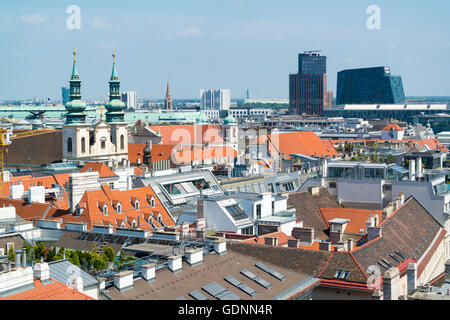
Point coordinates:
[(107, 140)]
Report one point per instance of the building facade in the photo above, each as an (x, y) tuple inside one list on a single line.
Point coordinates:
[(369, 86), (308, 88), (216, 99), (130, 99)]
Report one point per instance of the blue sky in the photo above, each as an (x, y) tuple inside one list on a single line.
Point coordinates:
[(235, 44)]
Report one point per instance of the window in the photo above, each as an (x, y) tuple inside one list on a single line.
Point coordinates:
[(122, 142), (332, 185), (103, 143), (83, 145), (119, 208), (69, 145), (342, 274), (258, 211), (105, 210), (136, 204), (152, 202), (111, 185)]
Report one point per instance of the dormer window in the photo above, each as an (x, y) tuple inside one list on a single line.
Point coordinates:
[(136, 204), (159, 218), (152, 202), (133, 224), (119, 207), (105, 209)]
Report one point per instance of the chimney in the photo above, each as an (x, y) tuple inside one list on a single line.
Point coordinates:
[(325, 246), (200, 223), (412, 170), (303, 234), (401, 199), (350, 245), (194, 257), (17, 259), (175, 263), (314, 190), (220, 247), (24, 258), (271, 241), (391, 284), (41, 271), (373, 232), (124, 280), (293, 243), (411, 274), (335, 236), (77, 284), (148, 272), (387, 211)]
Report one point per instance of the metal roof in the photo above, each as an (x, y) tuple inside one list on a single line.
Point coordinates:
[(63, 270)]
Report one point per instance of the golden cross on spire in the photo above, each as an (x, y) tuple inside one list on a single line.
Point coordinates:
[(74, 54), (114, 55)]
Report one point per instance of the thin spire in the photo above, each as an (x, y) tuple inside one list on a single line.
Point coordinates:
[(74, 54), (114, 70), (114, 56), (75, 74), (168, 89)]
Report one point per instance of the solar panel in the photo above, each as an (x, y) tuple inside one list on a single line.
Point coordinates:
[(381, 263), (394, 257), (240, 285), (236, 212), (181, 298), (257, 279), (387, 262), (219, 292), (197, 295), (270, 271)]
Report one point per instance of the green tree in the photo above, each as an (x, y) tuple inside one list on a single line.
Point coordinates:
[(98, 263), (74, 258), (11, 256), (390, 159), (109, 254)]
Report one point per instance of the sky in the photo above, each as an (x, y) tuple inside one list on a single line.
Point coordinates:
[(229, 44)]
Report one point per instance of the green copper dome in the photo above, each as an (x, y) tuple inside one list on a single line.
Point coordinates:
[(75, 106), (201, 118), (229, 119), (115, 105)]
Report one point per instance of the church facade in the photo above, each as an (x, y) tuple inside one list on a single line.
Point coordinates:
[(107, 140)]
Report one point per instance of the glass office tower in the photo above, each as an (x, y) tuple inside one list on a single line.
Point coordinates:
[(369, 86), (308, 88)]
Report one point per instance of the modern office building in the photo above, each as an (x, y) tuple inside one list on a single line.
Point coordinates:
[(215, 99), (308, 88), (130, 99), (369, 86), (65, 94)]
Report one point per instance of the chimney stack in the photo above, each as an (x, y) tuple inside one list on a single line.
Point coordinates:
[(148, 272), (303, 234), (18, 264), (411, 274), (42, 271), (175, 263), (314, 190), (350, 245), (124, 280), (220, 247), (335, 237), (24, 258), (194, 256), (412, 170), (77, 284), (391, 284), (325, 246)]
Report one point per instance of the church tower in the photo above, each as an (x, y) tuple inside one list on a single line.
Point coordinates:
[(75, 129), (168, 101), (115, 116)]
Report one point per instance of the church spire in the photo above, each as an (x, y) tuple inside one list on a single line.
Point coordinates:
[(115, 105), (75, 106), (168, 101)]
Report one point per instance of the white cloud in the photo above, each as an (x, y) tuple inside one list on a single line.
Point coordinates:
[(32, 18), (190, 32), (100, 23)]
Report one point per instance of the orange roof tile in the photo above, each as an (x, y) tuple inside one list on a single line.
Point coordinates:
[(189, 134), (103, 170), (306, 143), (161, 152), (282, 238), (51, 291), (135, 152), (357, 217), (393, 126)]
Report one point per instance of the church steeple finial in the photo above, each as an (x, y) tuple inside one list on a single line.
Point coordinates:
[(75, 106), (74, 54)]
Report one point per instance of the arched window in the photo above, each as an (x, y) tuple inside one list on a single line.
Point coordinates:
[(136, 204), (152, 202), (122, 142), (159, 218), (83, 145), (105, 210), (119, 208), (103, 143), (69, 145)]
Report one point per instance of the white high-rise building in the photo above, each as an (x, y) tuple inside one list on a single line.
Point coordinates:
[(215, 99), (130, 99)]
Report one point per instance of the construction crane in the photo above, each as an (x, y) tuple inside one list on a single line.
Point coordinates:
[(7, 135)]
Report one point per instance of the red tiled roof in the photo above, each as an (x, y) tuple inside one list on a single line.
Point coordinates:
[(135, 152), (161, 152), (282, 238), (391, 126), (51, 291), (189, 134), (357, 217), (200, 154), (306, 143), (103, 170)]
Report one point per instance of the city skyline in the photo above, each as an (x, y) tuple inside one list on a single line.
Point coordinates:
[(240, 45)]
